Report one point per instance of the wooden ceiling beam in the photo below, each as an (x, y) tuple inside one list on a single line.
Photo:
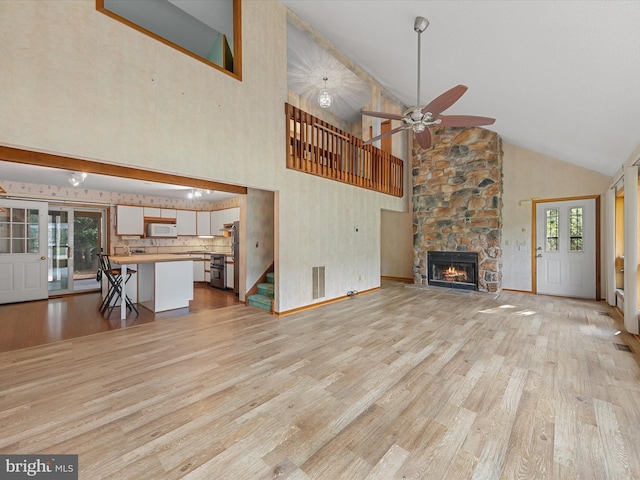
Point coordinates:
[(40, 159)]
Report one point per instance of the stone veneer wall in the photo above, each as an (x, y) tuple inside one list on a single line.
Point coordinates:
[(457, 201)]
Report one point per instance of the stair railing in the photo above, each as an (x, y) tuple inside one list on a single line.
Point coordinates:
[(318, 148)]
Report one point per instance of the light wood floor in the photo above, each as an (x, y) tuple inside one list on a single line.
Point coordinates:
[(400, 383)]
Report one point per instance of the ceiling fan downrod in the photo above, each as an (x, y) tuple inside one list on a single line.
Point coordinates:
[(420, 25)]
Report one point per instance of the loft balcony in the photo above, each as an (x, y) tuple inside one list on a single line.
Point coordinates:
[(318, 148)]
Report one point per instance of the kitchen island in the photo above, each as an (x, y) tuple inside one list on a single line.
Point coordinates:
[(164, 281)]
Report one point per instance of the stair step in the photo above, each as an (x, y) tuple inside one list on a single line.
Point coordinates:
[(260, 301), (271, 277), (266, 289)]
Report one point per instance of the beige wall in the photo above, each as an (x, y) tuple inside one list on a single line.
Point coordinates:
[(529, 175), (396, 244), (75, 82)]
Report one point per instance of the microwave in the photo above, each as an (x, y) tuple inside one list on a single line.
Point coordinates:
[(162, 230)]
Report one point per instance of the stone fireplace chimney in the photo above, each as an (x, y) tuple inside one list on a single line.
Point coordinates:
[(457, 201)]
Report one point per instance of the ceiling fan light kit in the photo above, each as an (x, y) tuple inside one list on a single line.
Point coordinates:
[(420, 118)]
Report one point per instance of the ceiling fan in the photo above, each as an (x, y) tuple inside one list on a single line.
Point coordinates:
[(421, 117)]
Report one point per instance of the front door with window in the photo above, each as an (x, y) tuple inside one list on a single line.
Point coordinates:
[(566, 248)]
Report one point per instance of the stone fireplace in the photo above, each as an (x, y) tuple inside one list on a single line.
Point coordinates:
[(457, 201)]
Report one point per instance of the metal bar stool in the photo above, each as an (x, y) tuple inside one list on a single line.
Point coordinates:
[(114, 291)]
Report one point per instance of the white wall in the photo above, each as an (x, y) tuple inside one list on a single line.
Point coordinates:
[(529, 175), (75, 82)]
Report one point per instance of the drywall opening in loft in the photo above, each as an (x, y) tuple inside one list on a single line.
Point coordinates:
[(206, 31)]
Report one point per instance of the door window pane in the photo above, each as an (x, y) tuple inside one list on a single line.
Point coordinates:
[(19, 231), (551, 230), (575, 229), (17, 215), (18, 245)]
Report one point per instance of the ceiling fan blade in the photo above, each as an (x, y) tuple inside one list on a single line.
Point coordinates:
[(424, 138), (391, 116), (444, 101), (385, 134), (464, 121)]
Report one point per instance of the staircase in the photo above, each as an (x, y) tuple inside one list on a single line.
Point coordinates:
[(264, 298)]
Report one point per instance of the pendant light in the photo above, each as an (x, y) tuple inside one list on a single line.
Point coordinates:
[(324, 96)]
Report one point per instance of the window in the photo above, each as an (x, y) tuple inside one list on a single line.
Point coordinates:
[(19, 230), (575, 229), (551, 230), (208, 31)]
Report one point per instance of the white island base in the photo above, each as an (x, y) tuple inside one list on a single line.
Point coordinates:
[(165, 285), (164, 282)]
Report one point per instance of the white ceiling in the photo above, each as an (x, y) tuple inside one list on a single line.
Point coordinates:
[(22, 173), (562, 78)]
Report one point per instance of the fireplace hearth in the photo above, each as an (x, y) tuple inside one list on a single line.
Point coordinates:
[(453, 269)]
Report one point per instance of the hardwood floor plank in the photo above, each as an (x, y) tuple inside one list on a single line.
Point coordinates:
[(615, 453)]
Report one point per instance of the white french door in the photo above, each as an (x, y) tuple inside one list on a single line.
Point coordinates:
[(23, 251), (566, 248)]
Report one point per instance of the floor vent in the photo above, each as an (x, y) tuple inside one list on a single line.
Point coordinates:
[(622, 347), (317, 282), (604, 314)]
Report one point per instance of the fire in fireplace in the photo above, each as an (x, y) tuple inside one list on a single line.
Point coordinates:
[(453, 269)]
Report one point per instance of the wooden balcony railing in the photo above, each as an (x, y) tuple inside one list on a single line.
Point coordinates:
[(318, 148)]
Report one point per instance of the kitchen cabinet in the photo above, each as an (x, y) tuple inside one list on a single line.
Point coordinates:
[(164, 281), (186, 221), (203, 223), (198, 270), (151, 212), (221, 217), (229, 279), (216, 222), (129, 220), (230, 215), (155, 212)]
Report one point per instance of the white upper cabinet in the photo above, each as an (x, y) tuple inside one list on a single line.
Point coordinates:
[(186, 222), (203, 223), (152, 212), (156, 212), (129, 220), (221, 217)]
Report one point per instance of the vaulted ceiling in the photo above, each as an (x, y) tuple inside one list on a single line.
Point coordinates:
[(562, 78)]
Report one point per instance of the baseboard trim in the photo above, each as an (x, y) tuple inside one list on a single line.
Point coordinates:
[(517, 291), (320, 304), (397, 279)]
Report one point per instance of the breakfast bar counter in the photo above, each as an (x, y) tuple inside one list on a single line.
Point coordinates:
[(164, 281)]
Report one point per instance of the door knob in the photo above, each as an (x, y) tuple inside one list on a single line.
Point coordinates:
[(43, 258)]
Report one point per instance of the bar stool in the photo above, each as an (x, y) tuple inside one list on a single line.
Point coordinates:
[(114, 291)]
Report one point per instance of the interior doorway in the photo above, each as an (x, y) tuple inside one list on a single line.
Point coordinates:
[(75, 238)]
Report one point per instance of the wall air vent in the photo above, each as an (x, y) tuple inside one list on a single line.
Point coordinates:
[(317, 282)]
